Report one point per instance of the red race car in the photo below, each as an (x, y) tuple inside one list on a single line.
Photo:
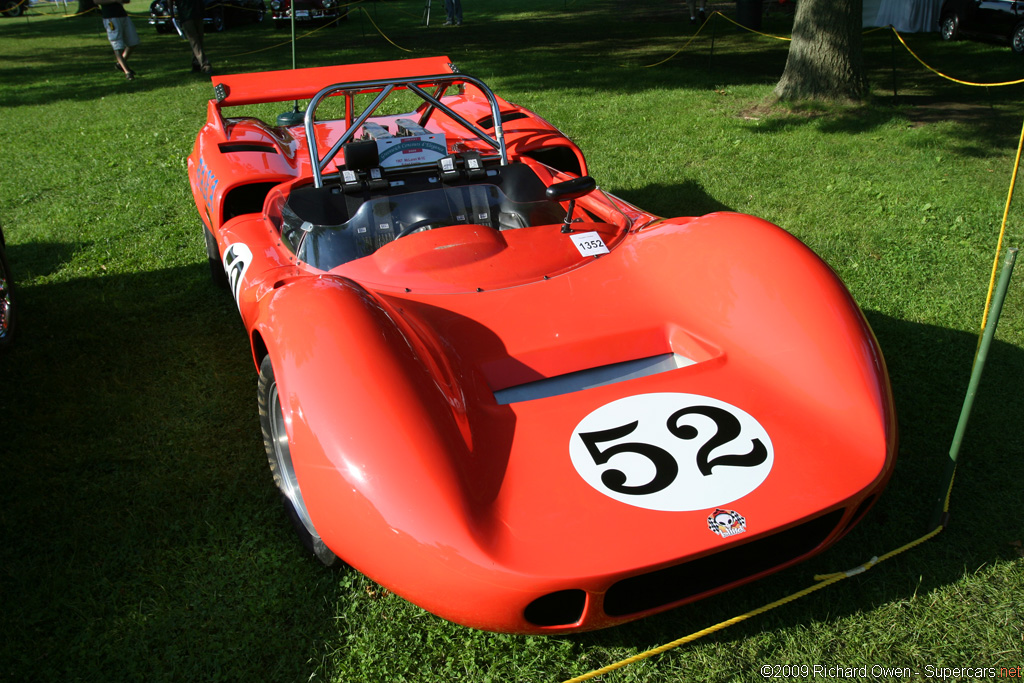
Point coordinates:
[(506, 395)]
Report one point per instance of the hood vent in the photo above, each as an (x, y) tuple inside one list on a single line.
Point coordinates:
[(592, 377)]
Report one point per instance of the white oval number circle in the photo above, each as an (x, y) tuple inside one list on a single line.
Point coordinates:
[(671, 452)]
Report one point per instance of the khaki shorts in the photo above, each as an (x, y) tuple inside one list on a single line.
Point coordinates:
[(121, 32)]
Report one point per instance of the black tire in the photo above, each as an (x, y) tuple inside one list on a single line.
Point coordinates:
[(1017, 39), (217, 273), (8, 308), (949, 27), (276, 442), (11, 8), (219, 24), (261, 13)]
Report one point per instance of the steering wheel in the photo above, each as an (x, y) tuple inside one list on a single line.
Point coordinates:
[(419, 225)]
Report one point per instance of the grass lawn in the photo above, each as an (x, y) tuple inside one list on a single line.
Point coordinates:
[(140, 533)]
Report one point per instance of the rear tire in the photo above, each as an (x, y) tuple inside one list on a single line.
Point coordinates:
[(217, 273), (276, 442)]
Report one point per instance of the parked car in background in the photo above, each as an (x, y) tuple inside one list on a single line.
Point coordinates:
[(7, 308), (308, 11), (14, 8), (218, 16), (992, 19)]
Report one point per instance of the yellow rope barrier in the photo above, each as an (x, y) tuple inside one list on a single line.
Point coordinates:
[(766, 35), (381, 32), (352, 5), (872, 30), (692, 38), (950, 78), (1002, 233)]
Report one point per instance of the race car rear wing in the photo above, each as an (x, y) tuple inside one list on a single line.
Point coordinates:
[(302, 84)]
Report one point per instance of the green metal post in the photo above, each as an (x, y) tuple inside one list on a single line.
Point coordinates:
[(972, 387)]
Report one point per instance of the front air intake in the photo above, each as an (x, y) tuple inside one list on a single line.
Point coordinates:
[(687, 580), (562, 608)]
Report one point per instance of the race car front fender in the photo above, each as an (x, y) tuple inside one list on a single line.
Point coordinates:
[(375, 445)]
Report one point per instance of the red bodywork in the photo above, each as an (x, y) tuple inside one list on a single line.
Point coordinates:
[(433, 456)]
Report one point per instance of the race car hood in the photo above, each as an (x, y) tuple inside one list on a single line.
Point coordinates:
[(574, 419), (563, 367)]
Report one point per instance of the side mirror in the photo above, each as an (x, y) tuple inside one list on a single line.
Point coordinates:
[(571, 189)]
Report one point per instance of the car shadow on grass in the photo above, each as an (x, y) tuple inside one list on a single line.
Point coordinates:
[(688, 198)]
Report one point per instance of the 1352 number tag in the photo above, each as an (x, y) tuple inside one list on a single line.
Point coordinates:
[(589, 243)]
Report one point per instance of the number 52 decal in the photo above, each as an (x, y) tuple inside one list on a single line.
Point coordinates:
[(671, 452)]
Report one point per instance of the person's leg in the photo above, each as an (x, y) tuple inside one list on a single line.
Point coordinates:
[(121, 62), (131, 39), (115, 34), (193, 31)]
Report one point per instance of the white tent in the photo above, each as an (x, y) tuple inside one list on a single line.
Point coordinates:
[(906, 16)]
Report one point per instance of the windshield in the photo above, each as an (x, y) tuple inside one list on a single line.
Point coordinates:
[(380, 220)]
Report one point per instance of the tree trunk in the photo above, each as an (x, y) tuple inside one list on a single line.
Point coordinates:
[(826, 56)]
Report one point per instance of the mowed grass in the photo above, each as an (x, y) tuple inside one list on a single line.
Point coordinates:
[(142, 537)]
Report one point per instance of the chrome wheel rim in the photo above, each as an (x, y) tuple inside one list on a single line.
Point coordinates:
[(281, 447), (947, 28)]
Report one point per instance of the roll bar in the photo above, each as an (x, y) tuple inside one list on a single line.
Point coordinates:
[(384, 87)]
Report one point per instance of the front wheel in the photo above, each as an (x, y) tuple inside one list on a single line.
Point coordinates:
[(1017, 42), (949, 29), (278, 446), (218, 21)]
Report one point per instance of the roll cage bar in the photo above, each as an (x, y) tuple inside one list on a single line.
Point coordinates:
[(383, 88)]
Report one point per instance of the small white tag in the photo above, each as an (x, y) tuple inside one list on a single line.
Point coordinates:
[(589, 243)]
